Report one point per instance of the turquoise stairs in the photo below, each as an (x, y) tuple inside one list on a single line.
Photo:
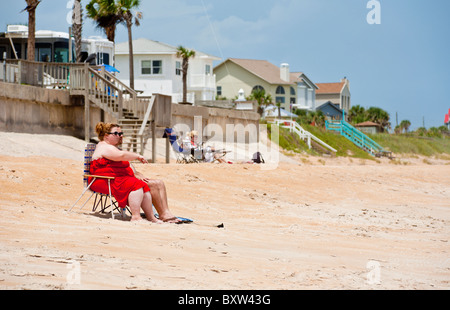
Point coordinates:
[(357, 137)]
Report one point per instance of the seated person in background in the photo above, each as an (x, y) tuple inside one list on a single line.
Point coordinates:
[(129, 186), (190, 142), (207, 154), (210, 155)]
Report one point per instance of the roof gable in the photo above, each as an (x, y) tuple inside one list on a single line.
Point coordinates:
[(330, 88), (261, 68), (144, 46), (329, 105)]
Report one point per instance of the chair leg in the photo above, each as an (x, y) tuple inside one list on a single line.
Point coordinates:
[(96, 203), (85, 190), (87, 200), (110, 199)]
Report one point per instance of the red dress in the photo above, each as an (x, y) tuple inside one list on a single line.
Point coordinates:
[(124, 182)]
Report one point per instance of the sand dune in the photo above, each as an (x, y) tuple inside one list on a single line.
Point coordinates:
[(311, 223)]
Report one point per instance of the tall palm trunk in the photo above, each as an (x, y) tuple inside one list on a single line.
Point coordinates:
[(185, 67), (77, 25), (31, 8), (128, 19)]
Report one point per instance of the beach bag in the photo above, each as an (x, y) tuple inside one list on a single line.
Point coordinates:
[(258, 158)]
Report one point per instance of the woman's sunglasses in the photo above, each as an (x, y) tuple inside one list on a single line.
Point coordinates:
[(119, 134)]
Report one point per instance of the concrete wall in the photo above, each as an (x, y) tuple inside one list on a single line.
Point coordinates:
[(48, 111), (217, 123)]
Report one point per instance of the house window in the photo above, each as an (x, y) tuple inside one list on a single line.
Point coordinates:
[(208, 70), (43, 52), (280, 90), (157, 66), (292, 91), (281, 100), (257, 87), (178, 68), (2, 51), (151, 67), (103, 58), (219, 90)]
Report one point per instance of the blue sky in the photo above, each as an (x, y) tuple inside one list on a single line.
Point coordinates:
[(401, 65)]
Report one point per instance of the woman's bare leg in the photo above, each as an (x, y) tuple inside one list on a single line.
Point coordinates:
[(147, 207), (138, 199), (159, 199)]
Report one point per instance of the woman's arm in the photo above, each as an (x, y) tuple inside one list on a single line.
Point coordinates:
[(112, 153)]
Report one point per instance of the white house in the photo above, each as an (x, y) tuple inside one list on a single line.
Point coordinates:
[(157, 69)]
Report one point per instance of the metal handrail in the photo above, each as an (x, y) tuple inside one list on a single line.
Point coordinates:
[(354, 135), (294, 126)]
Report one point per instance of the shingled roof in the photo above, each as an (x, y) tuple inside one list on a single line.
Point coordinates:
[(267, 71), (330, 88), (262, 69)]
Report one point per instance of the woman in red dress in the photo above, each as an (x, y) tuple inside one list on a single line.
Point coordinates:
[(128, 187)]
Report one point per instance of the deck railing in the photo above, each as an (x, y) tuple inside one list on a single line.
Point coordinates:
[(104, 88)]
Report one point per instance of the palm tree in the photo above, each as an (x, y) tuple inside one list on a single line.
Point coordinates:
[(77, 25), (278, 104), (106, 14), (357, 114), (31, 9), (379, 116), (185, 54), (404, 125), (125, 7), (258, 94), (315, 118)]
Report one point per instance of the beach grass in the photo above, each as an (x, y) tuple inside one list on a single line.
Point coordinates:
[(397, 143), (413, 144)]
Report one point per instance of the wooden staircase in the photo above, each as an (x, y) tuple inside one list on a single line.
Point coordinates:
[(131, 137), (122, 103)]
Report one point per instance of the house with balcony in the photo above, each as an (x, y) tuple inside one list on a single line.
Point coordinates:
[(294, 90), (336, 93), (157, 69)]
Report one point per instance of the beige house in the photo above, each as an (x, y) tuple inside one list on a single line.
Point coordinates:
[(291, 89), (337, 93)]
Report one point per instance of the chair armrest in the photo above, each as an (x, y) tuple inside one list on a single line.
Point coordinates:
[(99, 177)]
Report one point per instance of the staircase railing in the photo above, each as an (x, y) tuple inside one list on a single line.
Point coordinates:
[(357, 137), (293, 126), (131, 100), (105, 94)]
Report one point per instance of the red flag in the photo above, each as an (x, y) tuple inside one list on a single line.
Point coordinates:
[(446, 118)]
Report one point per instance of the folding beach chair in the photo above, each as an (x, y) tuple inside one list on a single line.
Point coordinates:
[(184, 155), (100, 198)]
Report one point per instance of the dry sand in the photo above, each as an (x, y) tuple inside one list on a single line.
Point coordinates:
[(311, 223)]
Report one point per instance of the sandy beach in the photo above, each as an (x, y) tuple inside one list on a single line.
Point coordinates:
[(311, 223)]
